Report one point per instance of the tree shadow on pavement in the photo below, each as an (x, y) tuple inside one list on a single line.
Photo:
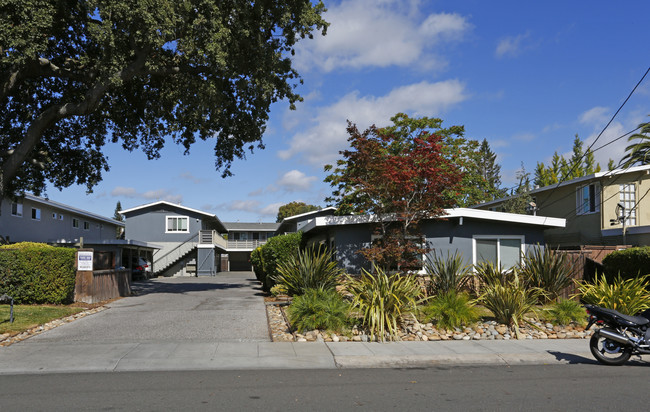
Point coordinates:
[(146, 288)]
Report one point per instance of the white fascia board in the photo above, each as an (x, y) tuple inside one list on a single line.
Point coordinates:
[(307, 213), (504, 217), (164, 202), (71, 209), (449, 213)]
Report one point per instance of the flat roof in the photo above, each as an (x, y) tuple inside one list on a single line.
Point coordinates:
[(460, 212)]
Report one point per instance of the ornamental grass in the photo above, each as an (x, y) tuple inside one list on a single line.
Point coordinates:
[(382, 299)]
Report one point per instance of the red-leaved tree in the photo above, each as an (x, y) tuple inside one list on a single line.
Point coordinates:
[(400, 175)]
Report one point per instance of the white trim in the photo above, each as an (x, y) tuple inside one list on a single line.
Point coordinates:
[(332, 208), (163, 202), (521, 238), (187, 218), (323, 221)]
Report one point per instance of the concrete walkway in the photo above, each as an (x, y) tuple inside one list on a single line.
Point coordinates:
[(220, 323)]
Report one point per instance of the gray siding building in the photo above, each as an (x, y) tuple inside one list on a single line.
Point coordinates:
[(36, 219), (477, 235)]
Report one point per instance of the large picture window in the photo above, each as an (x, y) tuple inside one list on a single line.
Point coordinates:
[(504, 252), (177, 224), (588, 199)]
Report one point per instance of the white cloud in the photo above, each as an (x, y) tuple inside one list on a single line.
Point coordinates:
[(596, 116), (320, 143), (512, 46), (524, 137), (250, 206), (189, 176), (159, 194), (270, 210), (296, 181), (242, 205), (120, 191), (379, 33)]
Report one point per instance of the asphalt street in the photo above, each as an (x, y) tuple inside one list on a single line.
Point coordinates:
[(586, 386)]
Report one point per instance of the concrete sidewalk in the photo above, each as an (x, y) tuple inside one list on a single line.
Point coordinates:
[(44, 357)]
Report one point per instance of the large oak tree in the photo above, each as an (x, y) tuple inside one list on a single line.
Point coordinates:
[(75, 74)]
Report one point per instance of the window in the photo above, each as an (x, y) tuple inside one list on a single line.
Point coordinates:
[(588, 199), (75, 223), (54, 216), (60, 217), (627, 198), (36, 214), (177, 224), (17, 209), (502, 251), (86, 226)]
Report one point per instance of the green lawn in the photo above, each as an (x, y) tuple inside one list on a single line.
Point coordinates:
[(29, 316)]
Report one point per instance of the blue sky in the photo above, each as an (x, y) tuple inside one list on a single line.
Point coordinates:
[(527, 76)]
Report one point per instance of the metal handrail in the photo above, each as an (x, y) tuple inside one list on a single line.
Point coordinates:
[(245, 244)]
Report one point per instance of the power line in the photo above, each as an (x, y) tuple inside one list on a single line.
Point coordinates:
[(603, 131)]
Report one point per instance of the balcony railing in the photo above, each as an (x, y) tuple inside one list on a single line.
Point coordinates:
[(245, 244), (207, 237)]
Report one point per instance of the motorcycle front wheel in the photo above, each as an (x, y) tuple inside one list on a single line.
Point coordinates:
[(607, 351)]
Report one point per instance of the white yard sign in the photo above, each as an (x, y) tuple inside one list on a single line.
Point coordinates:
[(85, 260)]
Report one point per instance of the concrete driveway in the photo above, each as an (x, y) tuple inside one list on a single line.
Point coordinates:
[(225, 308)]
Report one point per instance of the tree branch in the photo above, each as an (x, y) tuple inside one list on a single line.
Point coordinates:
[(54, 113)]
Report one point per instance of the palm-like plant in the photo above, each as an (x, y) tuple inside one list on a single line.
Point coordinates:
[(628, 296), (509, 300), (451, 310), (547, 269), (638, 152), (382, 299), (318, 309), (447, 274), (489, 273), (312, 268)]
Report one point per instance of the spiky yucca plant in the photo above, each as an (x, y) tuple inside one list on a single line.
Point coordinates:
[(547, 269), (628, 296), (566, 311), (510, 300), (489, 273), (451, 310), (319, 309), (312, 268), (447, 274), (382, 299)]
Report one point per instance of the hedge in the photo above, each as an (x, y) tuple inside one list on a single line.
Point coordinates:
[(630, 263), (37, 273), (265, 258)]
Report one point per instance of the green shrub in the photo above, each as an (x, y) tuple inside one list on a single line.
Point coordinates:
[(565, 312), (627, 263), (509, 300), (319, 309), (382, 299), (447, 274), (37, 273), (628, 296), (308, 269), (547, 269), (274, 251), (278, 290), (258, 263), (451, 310)]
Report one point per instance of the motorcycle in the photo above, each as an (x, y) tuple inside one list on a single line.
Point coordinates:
[(620, 336)]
